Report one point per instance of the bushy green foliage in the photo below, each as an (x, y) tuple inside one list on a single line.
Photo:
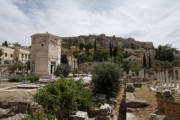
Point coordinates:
[(32, 78), (135, 69), (1, 52), (126, 66), (38, 116), (63, 97), (17, 78), (76, 54), (81, 46), (144, 61), (106, 78), (62, 70), (14, 67), (75, 71), (176, 62), (165, 53), (88, 46), (64, 59), (5, 43), (100, 55)]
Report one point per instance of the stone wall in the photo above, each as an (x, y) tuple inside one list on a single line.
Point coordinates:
[(168, 106)]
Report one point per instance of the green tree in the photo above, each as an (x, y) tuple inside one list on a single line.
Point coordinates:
[(64, 96), (95, 47), (150, 62), (62, 70), (126, 67), (5, 43), (106, 78), (16, 54), (16, 44), (100, 55), (144, 61), (165, 53), (81, 46), (110, 49), (64, 59), (76, 54), (88, 46), (1, 52)]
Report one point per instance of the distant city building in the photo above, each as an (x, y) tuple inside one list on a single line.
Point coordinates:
[(177, 55), (134, 60), (8, 57)]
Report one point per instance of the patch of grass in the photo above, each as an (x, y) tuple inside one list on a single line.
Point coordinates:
[(177, 97), (145, 94)]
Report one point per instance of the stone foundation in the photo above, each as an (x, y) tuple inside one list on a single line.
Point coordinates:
[(168, 106)]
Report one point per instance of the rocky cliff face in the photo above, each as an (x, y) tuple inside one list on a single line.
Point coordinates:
[(104, 41)]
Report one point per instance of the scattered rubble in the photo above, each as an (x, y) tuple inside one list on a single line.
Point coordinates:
[(130, 87), (136, 103)]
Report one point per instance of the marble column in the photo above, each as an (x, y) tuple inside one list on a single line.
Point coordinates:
[(174, 78), (167, 77)]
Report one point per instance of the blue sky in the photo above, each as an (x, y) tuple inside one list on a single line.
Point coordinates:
[(157, 21)]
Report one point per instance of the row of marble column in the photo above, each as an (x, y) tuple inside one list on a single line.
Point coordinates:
[(165, 78)]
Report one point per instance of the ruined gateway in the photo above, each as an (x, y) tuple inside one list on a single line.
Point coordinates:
[(45, 54)]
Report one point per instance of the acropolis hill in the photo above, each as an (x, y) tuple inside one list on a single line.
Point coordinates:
[(104, 41)]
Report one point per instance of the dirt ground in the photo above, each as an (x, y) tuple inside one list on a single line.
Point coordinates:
[(145, 94), (8, 84), (8, 94)]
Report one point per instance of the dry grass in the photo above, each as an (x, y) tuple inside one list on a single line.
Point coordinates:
[(145, 94), (177, 97)]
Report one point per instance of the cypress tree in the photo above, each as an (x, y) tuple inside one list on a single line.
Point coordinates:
[(110, 49), (150, 65), (144, 61), (95, 47)]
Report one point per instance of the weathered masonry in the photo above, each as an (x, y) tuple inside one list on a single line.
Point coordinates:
[(45, 53)]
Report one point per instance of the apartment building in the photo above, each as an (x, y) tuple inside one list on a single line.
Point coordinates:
[(8, 56)]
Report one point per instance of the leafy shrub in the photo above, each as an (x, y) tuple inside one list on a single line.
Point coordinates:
[(76, 54), (33, 78), (38, 116), (101, 55), (17, 78), (106, 78), (12, 68), (64, 59), (75, 71), (63, 97), (62, 70)]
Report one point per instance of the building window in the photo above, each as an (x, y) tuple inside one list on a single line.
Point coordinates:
[(25, 56), (129, 60), (22, 55), (134, 60), (5, 54), (11, 55)]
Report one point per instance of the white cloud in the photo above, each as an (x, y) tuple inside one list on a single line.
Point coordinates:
[(144, 20)]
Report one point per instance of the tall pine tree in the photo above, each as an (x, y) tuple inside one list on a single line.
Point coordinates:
[(95, 47), (144, 64), (110, 49), (150, 64), (144, 61)]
